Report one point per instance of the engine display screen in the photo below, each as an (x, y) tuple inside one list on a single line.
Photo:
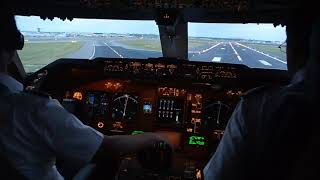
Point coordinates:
[(196, 140), (97, 104), (170, 110)]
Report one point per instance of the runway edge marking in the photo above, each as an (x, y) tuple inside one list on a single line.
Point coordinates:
[(262, 53), (94, 51)]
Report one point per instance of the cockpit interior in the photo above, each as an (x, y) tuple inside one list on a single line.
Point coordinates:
[(168, 66)]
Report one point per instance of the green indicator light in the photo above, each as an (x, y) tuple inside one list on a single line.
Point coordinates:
[(136, 132), (196, 140)]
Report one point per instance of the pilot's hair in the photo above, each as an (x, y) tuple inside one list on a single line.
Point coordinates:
[(9, 32)]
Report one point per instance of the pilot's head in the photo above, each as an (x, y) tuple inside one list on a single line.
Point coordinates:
[(11, 41), (298, 29)]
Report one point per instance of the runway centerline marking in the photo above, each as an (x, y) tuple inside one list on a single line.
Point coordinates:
[(265, 63), (238, 56), (263, 53), (216, 59), (94, 51), (223, 48), (205, 50), (114, 50)]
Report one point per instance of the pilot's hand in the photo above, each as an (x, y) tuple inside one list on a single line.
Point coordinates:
[(158, 154), (157, 138), (124, 144)]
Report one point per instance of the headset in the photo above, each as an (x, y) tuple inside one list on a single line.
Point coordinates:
[(13, 42), (11, 37)]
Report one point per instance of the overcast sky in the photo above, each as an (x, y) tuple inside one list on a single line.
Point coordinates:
[(243, 31)]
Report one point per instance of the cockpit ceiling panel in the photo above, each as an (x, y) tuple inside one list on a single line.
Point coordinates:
[(238, 11)]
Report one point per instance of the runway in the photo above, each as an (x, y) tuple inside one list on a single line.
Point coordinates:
[(223, 52), (237, 53)]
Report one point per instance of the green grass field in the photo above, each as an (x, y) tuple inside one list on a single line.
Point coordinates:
[(271, 49), (154, 44), (193, 43), (36, 55), (145, 44)]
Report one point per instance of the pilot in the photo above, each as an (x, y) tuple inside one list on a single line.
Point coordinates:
[(36, 130), (252, 145)]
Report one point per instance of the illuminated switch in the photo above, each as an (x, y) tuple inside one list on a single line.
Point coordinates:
[(177, 117), (177, 92), (77, 95), (108, 85), (100, 125), (198, 174), (189, 97), (172, 102)]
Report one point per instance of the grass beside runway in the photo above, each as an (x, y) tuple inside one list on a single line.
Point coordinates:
[(271, 49), (155, 45), (144, 44), (36, 55), (193, 43)]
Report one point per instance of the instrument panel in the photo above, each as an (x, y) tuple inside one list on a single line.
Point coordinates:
[(161, 69), (194, 118), (191, 102), (148, 95), (165, 108)]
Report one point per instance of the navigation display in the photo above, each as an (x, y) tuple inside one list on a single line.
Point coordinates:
[(97, 104)]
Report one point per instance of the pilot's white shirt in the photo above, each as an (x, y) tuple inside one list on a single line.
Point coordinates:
[(228, 162), (35, 131)]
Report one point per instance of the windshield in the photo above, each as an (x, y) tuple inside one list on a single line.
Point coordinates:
[(47, 41), (254, 45)]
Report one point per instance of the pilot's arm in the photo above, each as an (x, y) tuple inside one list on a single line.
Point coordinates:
[(77, 143), (229, 160)]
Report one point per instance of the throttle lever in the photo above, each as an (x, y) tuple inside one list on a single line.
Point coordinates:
[(157, 157)]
